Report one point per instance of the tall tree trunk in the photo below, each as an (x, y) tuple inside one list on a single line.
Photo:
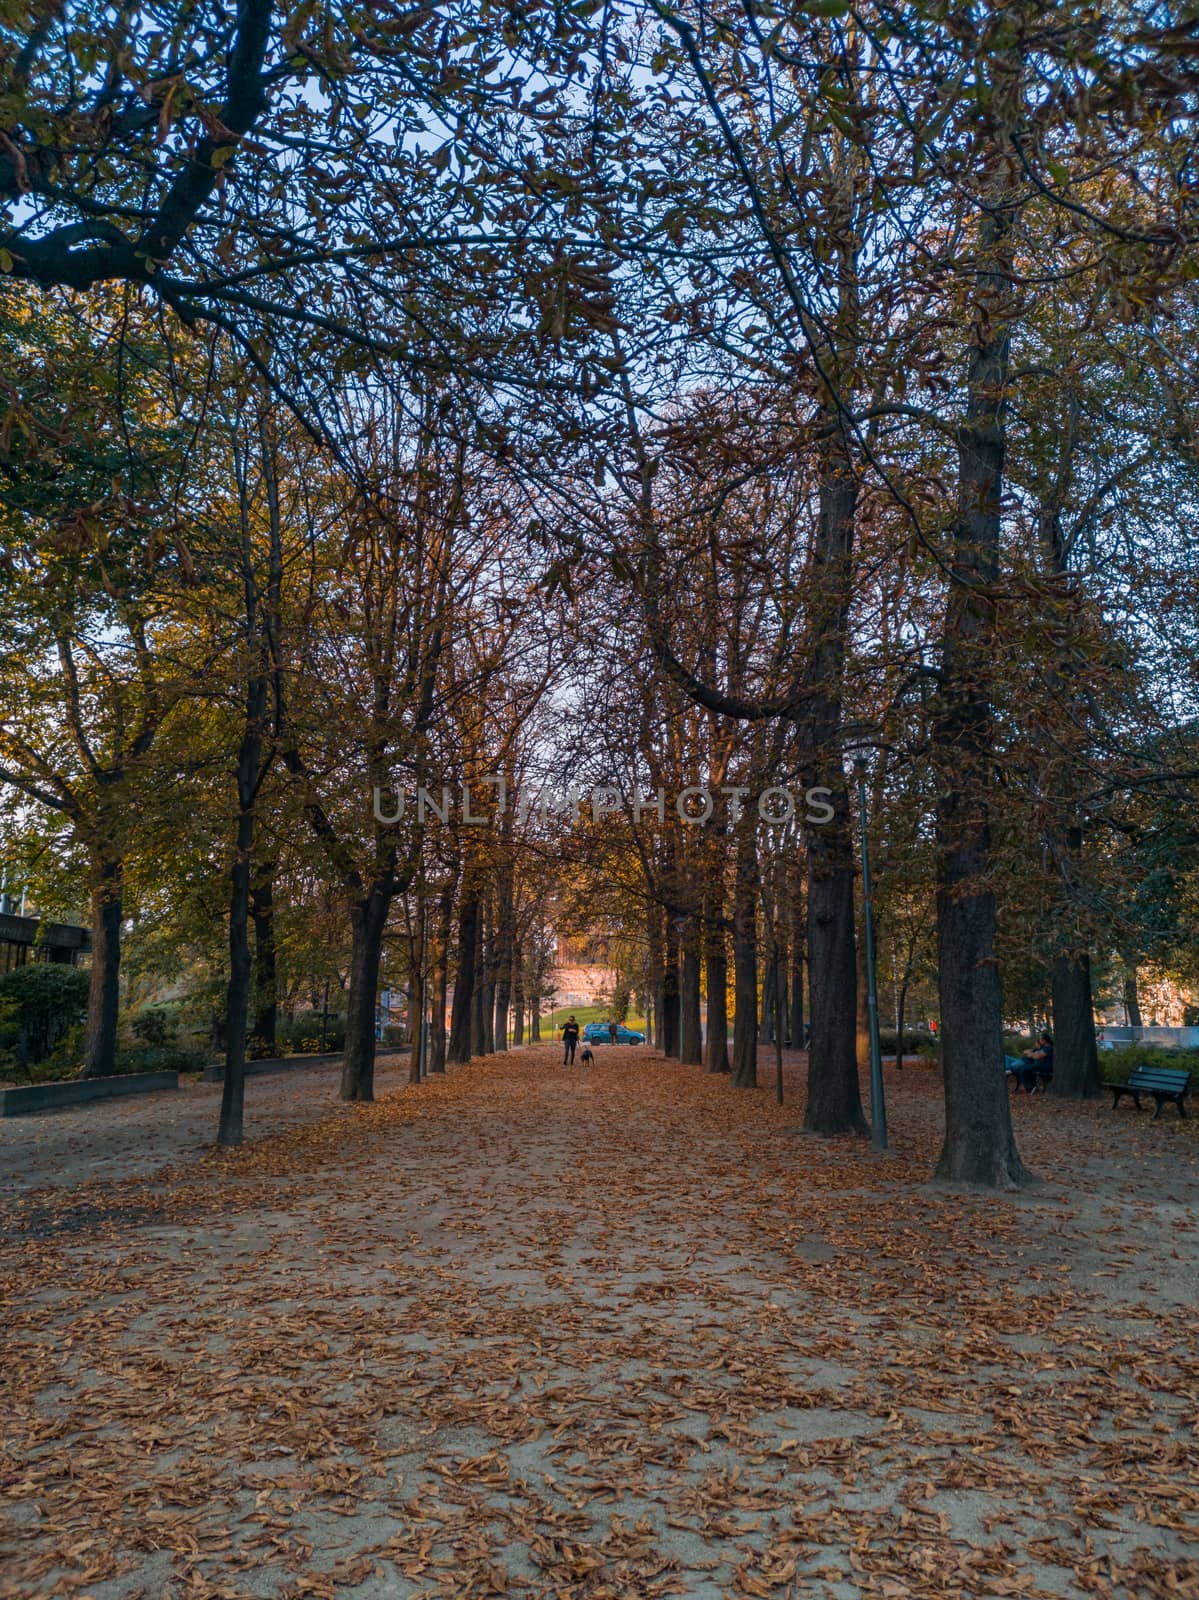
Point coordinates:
[(518, 994), (104, 988), (780, 1002), (834, 1092), (691, 1052), (266, 970), (480, 1005), (505, 938), (237, 998), (441, 980), (261, 617), (671, 1032), (464, 979), (418, 999), (745, 957), (797, 971), (769, 981), (979, 1145), (1131, 997), (716, 1048), (368, 919), (1075, 1056), (901, 1006), (861, 1035), (503, 1006)]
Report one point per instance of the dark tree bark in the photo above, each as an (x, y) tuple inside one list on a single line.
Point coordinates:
[(1075, 1056), (691, 1052), (979, 1145), (861, 1034), (745, 957), (368, 919), (440, 980), (96, 244), (671, 1019), (780, 1004), (266, 966), (901, 1009), (237, 999), (418, 999), (797, 973), (769, 992), (104, 989), (1131, 998), (464, 979), (834, 1093), (518, 994), (261, 619), (503, 1007), (481, 1001), (505, 938), (716, 977)]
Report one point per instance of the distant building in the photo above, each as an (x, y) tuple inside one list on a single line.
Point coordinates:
[(1164, 1003), (579, 986), (25, 939), (589, 950)]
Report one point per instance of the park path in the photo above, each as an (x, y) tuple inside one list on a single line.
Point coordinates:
[(602, 1335)]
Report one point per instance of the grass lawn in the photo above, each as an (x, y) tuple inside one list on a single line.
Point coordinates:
[(553, 1020)]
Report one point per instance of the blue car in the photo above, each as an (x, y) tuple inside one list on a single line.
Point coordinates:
[(601, 1033)]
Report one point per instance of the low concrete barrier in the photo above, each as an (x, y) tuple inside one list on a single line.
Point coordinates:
[(267, 1069), (1172, 1038), (27, 1098)]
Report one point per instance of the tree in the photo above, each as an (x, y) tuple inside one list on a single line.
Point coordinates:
[(94, 555)]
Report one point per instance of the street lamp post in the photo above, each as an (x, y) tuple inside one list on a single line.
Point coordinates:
[(878, 1103)]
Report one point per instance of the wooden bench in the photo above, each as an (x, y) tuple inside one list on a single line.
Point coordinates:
[(1163, 1083)]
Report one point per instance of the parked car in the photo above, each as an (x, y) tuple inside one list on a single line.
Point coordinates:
[(601, 1033)]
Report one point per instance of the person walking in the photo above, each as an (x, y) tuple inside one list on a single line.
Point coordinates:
[(570, 1040), (613, 1032)]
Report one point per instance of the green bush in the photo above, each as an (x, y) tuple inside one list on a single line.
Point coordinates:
[(67, 1055), (156, 1025), (161, 1058), (913, 1040), (1015, 1044), (45, 1000), (1117, 1065), (303, 1033), (8, 1037), (395, 1035)]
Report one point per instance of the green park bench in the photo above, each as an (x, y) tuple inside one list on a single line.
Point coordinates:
[(1163, 1083)]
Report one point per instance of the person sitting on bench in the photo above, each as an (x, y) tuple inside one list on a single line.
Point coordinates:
[(1036, 1066)]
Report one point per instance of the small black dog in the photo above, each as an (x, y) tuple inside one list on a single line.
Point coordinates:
[(587, 1059)]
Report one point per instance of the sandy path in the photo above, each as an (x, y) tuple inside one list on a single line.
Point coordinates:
[(614, 1333)]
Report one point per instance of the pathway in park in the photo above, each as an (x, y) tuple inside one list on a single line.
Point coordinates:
[(603, 1335)]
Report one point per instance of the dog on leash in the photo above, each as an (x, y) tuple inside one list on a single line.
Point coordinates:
[(587, 1059)]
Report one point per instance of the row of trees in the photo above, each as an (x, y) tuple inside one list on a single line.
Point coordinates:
[(765, 383)]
